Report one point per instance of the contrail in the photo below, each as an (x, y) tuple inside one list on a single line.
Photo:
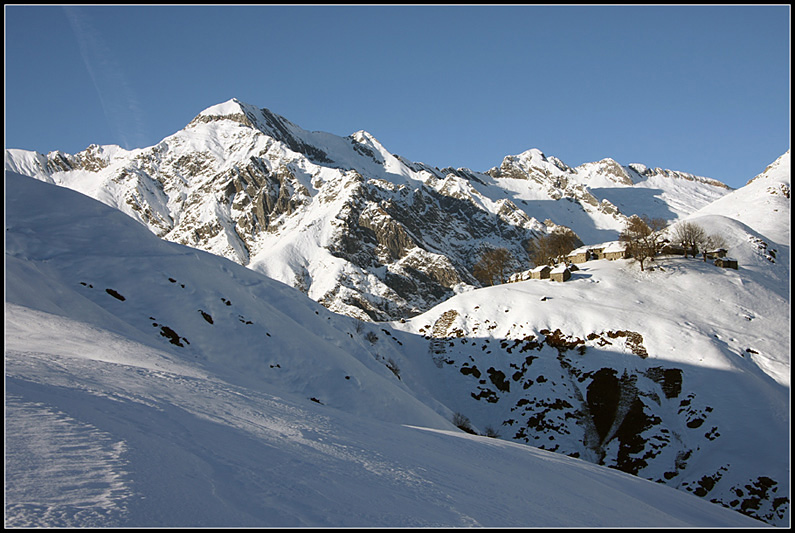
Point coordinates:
[(119, 103)]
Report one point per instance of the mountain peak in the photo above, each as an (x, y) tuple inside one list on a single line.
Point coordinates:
[(230, 107), (363, 136), (533, 161), (233, 109), (777, 170), (265, 121)]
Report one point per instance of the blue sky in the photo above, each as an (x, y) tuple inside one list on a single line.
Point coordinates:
[(701, 89)]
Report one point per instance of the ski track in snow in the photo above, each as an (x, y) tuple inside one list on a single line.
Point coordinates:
[(66, 472), (60, 472)]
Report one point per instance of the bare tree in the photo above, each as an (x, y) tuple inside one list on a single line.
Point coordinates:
[(492, 266), (690, 235), (642, 237), (553, 247), (393, 366), (491, 432), (712, 242), (694, 238), (462, 422)]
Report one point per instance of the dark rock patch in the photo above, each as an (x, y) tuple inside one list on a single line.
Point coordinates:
[(115, 294)]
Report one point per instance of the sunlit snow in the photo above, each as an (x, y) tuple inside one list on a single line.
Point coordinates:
[(276, 412)]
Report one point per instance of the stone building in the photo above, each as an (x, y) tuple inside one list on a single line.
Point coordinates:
[(614, 250), (560, 273), (541, 272), (726, 262)]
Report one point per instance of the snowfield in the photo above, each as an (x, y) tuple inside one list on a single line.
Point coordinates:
[(152, 385), (93, 442)]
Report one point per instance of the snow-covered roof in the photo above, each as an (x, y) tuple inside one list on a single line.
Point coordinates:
[(581, 250), (560, 268), (614, 246), (611, 246)]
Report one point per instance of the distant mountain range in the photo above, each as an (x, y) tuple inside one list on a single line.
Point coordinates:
[(365, 232), (678, 374)]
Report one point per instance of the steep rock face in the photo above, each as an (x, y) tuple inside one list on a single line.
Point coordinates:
[(604, 398), (399, 236), (420, 243)]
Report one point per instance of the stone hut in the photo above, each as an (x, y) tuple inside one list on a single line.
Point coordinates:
[(597, 251), (614, 250), (715, 254), (519, 276), (540, 272), (580, 255), (560, 273), (726, 262), (609, 250)]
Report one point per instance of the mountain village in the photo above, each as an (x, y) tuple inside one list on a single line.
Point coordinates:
[(611, 251)]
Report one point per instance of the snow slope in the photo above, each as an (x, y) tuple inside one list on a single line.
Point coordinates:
[(150, 384), (763, 204)]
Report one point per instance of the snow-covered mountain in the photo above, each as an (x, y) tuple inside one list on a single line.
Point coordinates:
[(150, 384), (364, 232), (119, 342)]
